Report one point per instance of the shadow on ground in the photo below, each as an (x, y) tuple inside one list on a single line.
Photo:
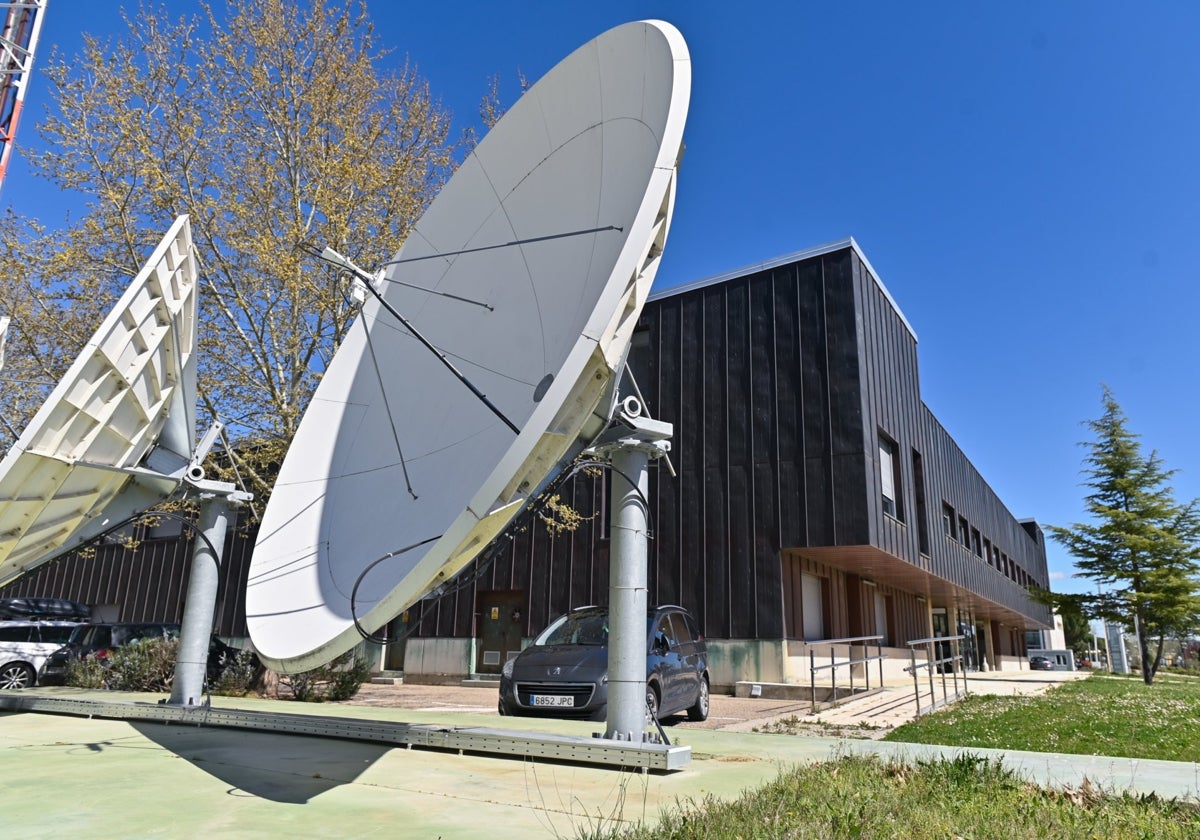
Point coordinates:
[(281, 768)]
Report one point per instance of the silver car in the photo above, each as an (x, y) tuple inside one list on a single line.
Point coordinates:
[(25, 646)]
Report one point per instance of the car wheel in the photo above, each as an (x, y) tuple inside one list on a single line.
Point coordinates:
[(651, 704), (16, 675), (699, 711)]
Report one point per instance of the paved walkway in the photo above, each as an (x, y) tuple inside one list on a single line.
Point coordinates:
[(896, 705), (68, 776)]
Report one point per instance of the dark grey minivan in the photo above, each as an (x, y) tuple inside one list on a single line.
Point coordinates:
[(564, 671)]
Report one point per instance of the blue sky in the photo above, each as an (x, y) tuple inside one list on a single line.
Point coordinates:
[(1023, 176)]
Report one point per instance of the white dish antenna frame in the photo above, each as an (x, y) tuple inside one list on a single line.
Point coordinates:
[(115, 436), (584, 165)]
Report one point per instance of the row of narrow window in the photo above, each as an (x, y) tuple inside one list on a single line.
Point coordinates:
[(960, 530), (956, 527)]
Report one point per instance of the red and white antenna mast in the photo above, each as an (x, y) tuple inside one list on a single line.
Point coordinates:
[(18, 40)]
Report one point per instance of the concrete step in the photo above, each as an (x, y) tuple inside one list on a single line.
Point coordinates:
[(481, 681), (793, 691)]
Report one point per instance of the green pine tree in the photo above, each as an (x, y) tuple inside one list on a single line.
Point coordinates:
[(1142, 547), (1078, 632)]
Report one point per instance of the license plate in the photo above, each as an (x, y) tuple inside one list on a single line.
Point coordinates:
[(555, 700)]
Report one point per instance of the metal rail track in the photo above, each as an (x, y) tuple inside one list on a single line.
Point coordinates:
[(467, 739)]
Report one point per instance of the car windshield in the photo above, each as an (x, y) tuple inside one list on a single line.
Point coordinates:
[(582, 628), (577, 629)]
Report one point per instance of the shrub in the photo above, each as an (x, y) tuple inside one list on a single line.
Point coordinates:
[(338, 680), (149, 665), (239, 676), (85, 673), (144, 665)]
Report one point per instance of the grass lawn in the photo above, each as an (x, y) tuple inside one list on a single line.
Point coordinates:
[(1102, 715), (867, 797), (971, 797)]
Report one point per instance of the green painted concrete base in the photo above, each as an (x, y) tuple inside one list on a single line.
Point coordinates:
[(74, 777)]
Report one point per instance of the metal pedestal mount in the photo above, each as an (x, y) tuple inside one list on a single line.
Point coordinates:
[(217, 499), (630, 444)]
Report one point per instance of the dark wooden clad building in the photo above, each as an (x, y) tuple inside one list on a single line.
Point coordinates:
[(141, 574), (815, 495)]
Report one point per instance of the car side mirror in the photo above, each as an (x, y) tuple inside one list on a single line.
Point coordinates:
[(661, 645)]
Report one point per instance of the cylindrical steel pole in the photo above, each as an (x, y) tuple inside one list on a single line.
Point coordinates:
[(200, 602), (627, 595)]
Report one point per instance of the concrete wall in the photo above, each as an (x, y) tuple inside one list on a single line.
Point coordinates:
[(437, 661), (1058, 636), (736, 660), (730, 661), (1011, 663), (446, 660), (789, 662), (802, 657)]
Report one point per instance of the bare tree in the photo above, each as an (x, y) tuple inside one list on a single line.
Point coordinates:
[(276, 128)]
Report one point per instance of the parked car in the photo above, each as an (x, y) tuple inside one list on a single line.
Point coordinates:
[(1041, 663), (100, 640), (25, 646), (564, 671)]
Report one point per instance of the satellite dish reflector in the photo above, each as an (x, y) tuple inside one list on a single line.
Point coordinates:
[(127, 402), (528, 272)]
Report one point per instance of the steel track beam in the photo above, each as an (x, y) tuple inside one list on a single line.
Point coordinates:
[(646, 756)]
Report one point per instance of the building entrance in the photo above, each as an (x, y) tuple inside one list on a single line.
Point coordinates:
[(499, 624)]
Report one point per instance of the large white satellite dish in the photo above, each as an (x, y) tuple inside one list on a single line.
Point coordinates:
[(115, 436), (393, 451)]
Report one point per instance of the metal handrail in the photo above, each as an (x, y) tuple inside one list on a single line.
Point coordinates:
[(850, 662), (932, 661)]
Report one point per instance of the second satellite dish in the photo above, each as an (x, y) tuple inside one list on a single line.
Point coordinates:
[(113, 438), (528, 273)]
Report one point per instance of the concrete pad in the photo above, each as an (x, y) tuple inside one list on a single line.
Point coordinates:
[(70, 776)]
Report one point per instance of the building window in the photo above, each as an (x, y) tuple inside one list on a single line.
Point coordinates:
[(964, 531), (918, 467), (948, 521), (976, 543), (881, 617), (812, 605), (889, 486)]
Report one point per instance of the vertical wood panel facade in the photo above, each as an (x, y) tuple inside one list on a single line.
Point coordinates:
[(145, 583), (779, 383)]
